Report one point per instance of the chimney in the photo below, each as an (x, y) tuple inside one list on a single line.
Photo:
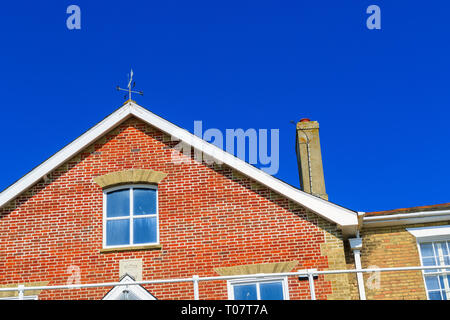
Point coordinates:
[(309, 158)]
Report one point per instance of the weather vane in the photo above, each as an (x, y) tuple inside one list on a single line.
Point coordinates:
[(131, 85)]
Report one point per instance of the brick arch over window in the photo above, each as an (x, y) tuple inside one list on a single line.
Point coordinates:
[(131, 176), (278, 267)]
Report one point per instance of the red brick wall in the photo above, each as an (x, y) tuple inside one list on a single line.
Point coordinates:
[(209, 217)]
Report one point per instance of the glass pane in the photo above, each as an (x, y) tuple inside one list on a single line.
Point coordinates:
[(245, 292), (435, 295), (117, 232), (436, 251), (429, 262), (144, 201), (271, 290), (444, 248), (118, 203), (426, 249), (145, 230), (447, 261), (441, 281), (432, 283)]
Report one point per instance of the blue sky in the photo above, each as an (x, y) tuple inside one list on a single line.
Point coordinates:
[(381, 96)]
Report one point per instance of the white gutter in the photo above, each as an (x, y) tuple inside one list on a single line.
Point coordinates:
[(406, 218)]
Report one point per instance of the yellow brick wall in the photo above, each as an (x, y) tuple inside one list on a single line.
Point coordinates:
[(333, 248), (387, 247)]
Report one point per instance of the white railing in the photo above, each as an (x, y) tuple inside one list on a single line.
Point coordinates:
[(309, 274)]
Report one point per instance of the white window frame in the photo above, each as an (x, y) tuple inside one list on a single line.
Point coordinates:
[(431, 235), (130, 187), (257, 281)]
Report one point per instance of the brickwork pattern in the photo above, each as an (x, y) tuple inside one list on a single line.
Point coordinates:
[(388, 247), (210, 216)]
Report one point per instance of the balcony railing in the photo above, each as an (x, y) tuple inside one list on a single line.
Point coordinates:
[(195, 280)]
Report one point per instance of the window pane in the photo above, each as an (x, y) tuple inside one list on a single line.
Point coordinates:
[(432, 283), (117, 232), (144, 230), (118, 203), (144, 201), (444, 248), (271, 291), (441, 281), (447, 263), (429, 262), (426, 249), (435, 295), (245, 292)]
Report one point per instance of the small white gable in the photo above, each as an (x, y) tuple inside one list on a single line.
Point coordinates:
[(131, 292)]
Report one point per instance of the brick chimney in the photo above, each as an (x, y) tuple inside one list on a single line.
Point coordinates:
[(309, 158)]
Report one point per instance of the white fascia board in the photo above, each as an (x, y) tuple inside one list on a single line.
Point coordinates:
[(433, 233), (344, 218), (339, 215), (406, 218), (64, 154)]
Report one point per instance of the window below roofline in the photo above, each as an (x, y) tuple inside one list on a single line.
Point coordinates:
[(436, 282), (130, 245)]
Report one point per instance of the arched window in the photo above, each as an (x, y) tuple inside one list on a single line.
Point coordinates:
[(130, 216)]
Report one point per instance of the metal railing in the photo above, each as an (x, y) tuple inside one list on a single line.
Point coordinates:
[(309, 274)]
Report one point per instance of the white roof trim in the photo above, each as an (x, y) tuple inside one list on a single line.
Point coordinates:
[(406, 218), (332, 212), (433, 233)]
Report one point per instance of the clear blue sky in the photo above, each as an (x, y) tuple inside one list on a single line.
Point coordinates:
[(381, 96)]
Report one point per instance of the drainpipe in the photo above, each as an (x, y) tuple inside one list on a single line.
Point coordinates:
[(356, 246)]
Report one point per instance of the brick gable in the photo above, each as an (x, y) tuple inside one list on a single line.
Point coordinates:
[(210, 216)]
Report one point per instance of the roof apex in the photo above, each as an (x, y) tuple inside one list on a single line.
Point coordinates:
[(343, 217)]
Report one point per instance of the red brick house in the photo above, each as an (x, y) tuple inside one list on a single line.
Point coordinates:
[(116, 195), (117, 204)]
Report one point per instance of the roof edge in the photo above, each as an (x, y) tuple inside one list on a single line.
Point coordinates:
[(343, 217)]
